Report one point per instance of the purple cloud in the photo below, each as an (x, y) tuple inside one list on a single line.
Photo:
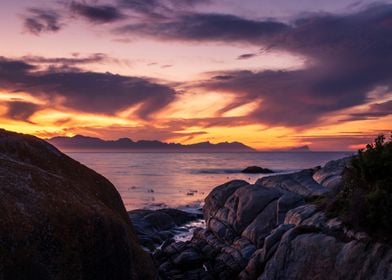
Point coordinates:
[(41, 20), (92, 92), (20, 110), (97, 13)]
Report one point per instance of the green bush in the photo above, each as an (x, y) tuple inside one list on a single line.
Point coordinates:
[(364, 200)]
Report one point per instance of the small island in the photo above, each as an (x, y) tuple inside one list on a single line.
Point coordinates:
[(256, 170), (304, 148)]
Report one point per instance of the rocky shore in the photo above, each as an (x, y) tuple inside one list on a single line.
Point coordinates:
[(62, 220), (267, 231)]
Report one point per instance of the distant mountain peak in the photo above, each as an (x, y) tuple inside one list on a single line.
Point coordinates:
[(78, 136), (80, 142)]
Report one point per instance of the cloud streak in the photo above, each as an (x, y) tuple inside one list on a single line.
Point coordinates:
[(97, 13), (375, 110), (75, 60), (85, 91), (246, 56)]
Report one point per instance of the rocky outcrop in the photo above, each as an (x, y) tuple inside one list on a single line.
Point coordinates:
[(154, 227), (267, 231), (318, 248), (331, 174), (60, 219)]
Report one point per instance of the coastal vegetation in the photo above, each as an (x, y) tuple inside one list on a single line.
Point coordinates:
[(364, 199)]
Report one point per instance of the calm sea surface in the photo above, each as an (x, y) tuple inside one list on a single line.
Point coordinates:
[(156, 180)]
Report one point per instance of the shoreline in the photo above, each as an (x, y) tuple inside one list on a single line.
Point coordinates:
[(268, 230)]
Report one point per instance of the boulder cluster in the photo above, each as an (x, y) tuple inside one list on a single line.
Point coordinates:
[(267, 231)]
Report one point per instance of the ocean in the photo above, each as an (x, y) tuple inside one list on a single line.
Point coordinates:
[(183, 180)]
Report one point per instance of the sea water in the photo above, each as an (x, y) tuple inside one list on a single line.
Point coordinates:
[(183, 180)]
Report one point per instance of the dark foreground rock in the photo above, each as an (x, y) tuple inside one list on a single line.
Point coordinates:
[(257, 170), (61, 220), (267, 231), (154, 227)]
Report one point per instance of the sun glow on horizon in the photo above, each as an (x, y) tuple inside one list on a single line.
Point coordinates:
[(221, 73)]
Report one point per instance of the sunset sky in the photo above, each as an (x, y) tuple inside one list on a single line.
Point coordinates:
[(272, 74)]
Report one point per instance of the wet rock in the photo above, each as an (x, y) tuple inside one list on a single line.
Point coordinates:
[(154, 227), (188, 259)]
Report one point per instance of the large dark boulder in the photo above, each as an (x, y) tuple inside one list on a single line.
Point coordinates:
[(60, 219)]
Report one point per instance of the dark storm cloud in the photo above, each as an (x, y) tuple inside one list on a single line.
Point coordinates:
[(20, 110), (92, 92), (97, 13), (207, 27), (154, 9), (159, 9), (40, 20), (9, 68), (289, 98), (347, 56)]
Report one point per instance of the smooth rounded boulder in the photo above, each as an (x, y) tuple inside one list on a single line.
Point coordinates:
[(60, 219)]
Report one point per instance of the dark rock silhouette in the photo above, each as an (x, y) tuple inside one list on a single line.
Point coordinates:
[(304, 148), (60, 219), (256, 170)]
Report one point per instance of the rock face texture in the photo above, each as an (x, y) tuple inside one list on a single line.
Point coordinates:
[(267, 231), (61, 220)]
